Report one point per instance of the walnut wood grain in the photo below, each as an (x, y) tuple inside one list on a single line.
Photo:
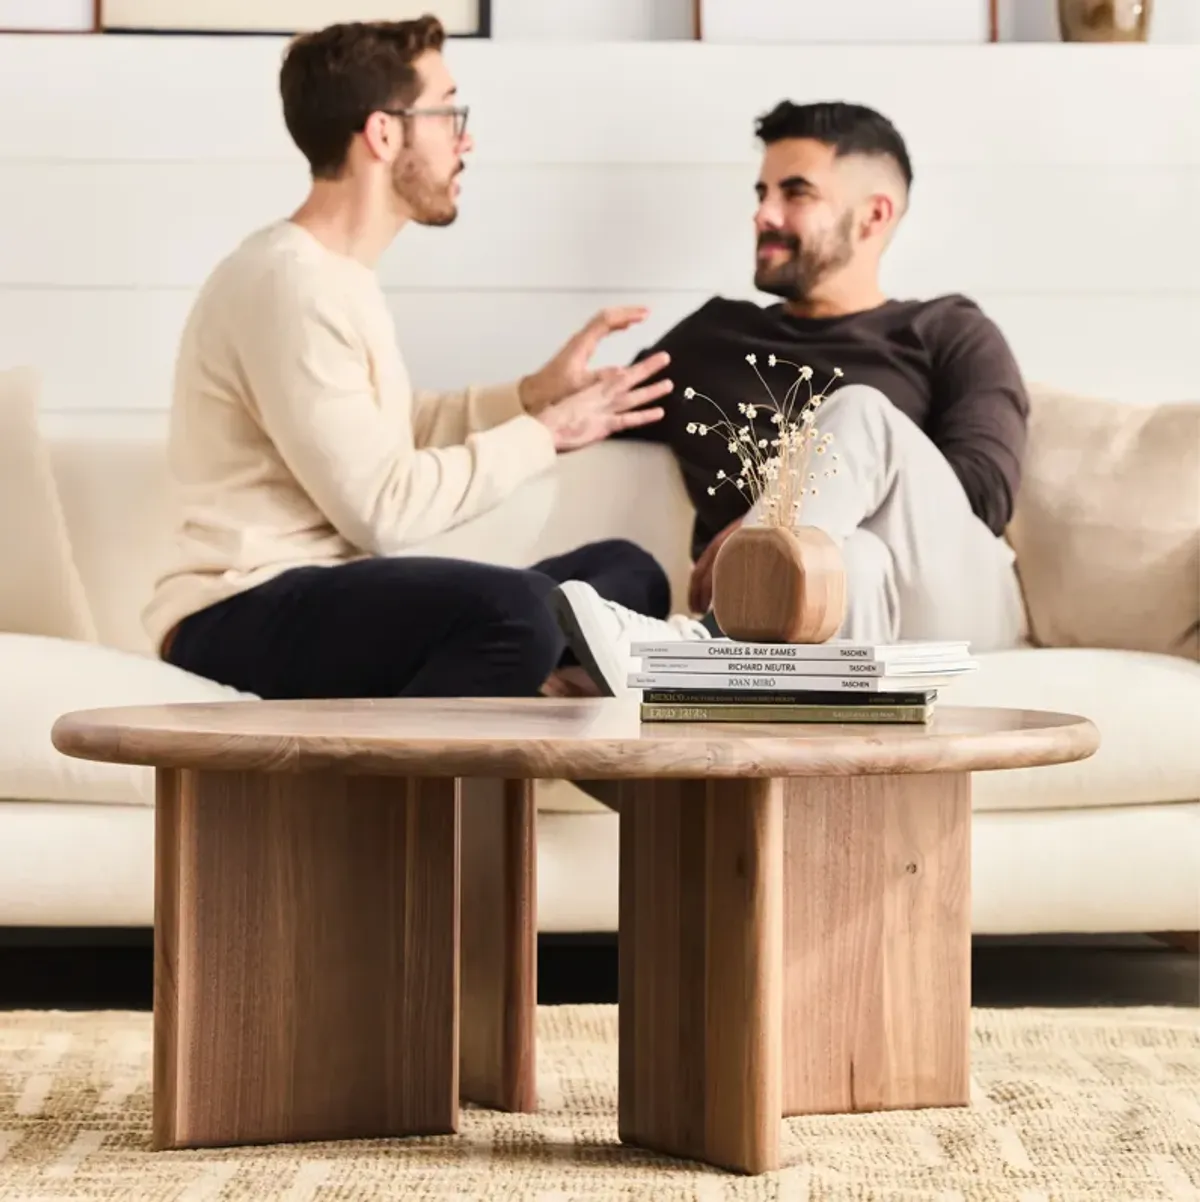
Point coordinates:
[(556, 739), (499, 945), (306, 961), (790, 947), (777, 585), (877, 943), (281, 825), (701, 905)]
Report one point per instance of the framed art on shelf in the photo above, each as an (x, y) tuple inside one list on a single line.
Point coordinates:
[(462, 18)]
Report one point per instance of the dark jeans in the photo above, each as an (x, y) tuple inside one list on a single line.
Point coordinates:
[(407, 627)]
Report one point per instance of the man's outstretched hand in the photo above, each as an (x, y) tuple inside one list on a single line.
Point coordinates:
[(615, 401), (700, 586), (570, 371)]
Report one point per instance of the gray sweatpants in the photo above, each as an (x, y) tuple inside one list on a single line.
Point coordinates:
[(919, 563)]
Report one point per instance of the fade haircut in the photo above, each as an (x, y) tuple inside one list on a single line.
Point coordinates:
[(333, 79), (848, 129)]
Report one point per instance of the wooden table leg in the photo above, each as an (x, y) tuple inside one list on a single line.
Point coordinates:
[(499, 944), (790, 948), (701, 911), (877, 942), (306, 957)]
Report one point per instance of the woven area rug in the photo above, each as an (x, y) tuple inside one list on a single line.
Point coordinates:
[(1068, 1104)]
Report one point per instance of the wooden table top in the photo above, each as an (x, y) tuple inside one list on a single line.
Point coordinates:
[(540, 737)]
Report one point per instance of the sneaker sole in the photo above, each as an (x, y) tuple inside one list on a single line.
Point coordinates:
[(574, 629)]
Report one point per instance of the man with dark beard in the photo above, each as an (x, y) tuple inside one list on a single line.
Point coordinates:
[(929, 422), (310, 468)]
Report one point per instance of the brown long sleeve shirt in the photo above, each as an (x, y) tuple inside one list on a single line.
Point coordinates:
[(942, 362)]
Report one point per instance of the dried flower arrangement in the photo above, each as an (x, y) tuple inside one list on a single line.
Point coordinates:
[(776, 473)]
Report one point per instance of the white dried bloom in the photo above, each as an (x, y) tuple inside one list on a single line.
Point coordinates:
[(806, 373), (692, 427), (770, 360), (752, 359), (689, 394)]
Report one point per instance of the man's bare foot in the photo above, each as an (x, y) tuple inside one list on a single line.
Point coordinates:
[(569, 682)]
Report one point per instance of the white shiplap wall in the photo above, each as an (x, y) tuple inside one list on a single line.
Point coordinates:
[(604, 172)]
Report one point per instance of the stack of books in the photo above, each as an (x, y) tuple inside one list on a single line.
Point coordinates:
[(838, 681)]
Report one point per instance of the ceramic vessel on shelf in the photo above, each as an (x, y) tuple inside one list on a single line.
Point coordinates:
[(1105, 20)]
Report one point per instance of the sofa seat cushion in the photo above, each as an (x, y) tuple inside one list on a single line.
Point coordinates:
[(44, 678), (1144, 705)]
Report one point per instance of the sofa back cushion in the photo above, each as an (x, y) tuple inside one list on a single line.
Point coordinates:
[(1107, 524), (41, 592), (121, 513)]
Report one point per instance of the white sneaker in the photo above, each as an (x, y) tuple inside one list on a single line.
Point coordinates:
[(600, 633)]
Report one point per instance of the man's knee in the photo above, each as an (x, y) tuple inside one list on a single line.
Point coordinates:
[(856, 404), (643, 582), (514, 612), (624, 553)]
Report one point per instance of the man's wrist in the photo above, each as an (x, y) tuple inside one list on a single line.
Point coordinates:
[(531, 394)]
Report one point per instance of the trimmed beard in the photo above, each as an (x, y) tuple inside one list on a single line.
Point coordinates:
[(429, 202), (795, 278)]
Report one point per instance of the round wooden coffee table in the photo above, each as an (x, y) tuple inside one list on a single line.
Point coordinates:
[(345, 927)]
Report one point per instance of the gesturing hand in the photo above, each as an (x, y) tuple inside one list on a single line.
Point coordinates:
[(610, 404), (571, 371)]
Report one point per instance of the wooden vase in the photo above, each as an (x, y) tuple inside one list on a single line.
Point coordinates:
[(775, 585)]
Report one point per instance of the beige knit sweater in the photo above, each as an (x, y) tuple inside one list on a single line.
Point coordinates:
[(296, 437)]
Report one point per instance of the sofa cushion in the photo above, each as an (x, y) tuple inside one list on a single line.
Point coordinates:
[(59, 675), (1145, 707), (40, 588), (121, 512), (1107, 524)]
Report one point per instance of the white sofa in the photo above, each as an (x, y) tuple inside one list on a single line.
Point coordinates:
[(1111, 844)]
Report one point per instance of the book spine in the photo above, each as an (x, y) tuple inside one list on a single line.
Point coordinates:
[(831, 684), (767, 667), (733, 697), (785, 713), (716, 650)]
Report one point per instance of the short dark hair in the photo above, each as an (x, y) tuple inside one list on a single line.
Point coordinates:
[(847, 128), (332, 79)]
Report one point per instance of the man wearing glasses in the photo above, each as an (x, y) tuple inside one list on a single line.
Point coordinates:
[(307, 464)]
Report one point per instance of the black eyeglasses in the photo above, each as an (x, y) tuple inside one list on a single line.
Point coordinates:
[(458, 112)]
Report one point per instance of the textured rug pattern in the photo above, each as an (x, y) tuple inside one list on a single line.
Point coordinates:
[(1066, 1106)]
